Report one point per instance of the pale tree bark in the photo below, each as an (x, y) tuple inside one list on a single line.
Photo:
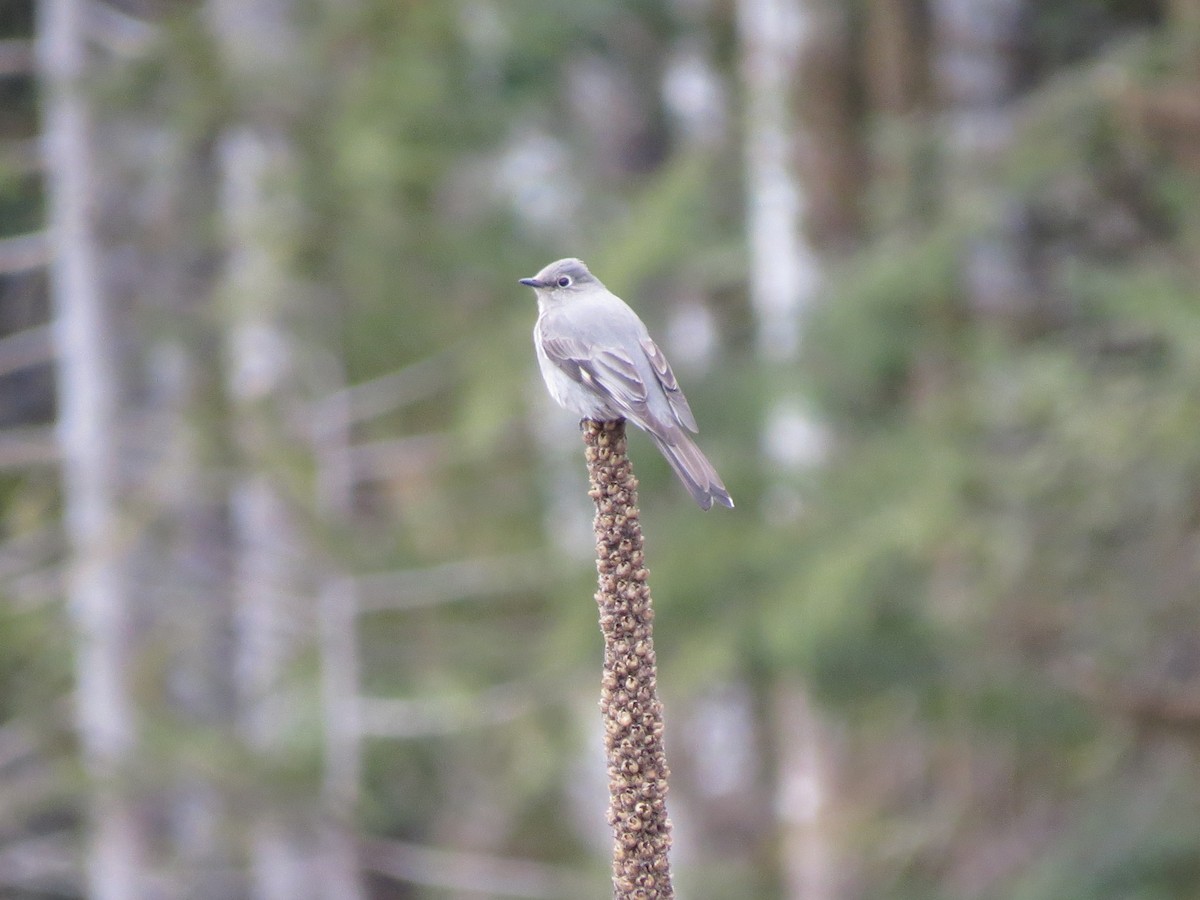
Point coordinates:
[(149, 587), (784, 275), (276, 577), (783, 265), (780, 44), (88, 392), (804, 741), (975, 77), (159, 583), (278, 580)]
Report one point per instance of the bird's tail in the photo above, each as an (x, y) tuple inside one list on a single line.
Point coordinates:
[(693, 469)]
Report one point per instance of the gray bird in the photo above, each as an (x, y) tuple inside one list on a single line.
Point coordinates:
[(599, 362)]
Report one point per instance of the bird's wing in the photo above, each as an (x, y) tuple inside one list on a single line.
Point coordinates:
[(607, 371), (662, 368)]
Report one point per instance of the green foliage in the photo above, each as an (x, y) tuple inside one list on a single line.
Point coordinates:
[(989, 582), (1003, 539), (891, 308)]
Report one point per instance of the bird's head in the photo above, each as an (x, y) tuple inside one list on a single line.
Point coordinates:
[(561, 278)]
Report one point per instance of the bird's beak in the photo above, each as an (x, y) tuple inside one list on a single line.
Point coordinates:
[(531, 282)]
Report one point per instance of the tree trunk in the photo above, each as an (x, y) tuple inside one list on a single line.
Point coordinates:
[(783, 43), (88, 404), (975, 77), (802, 738), (309, 854), (783, 266), (149, 544)]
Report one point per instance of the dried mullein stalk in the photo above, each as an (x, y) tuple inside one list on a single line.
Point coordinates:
[(633, 722)]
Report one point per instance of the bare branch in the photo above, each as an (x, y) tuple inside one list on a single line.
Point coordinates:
[(27, 348), (39, 588), (338, 611), (405, 386), (17, 743), (120, 33), (494, 876), (30, 550), (45, 865), (482, 577), (409, 719), (22, 155), (32, 445), (16, 57), (24, 252), (387, 458), (1163, 705)]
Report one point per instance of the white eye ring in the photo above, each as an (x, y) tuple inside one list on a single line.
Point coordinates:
[(564, 281)]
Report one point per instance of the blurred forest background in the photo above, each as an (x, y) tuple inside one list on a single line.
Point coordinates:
[(295, 553)]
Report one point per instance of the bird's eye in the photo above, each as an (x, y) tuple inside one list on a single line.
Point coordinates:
[(564, 281)]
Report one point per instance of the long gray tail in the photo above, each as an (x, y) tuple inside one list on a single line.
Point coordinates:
[(693, 469)]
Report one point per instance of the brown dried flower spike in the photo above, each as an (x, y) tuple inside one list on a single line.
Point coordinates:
[(633, 723)]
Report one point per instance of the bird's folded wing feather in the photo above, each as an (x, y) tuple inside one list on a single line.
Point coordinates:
[(609, 372), (679, 404)]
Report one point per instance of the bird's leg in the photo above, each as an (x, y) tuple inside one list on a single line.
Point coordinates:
[(583, 423)]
